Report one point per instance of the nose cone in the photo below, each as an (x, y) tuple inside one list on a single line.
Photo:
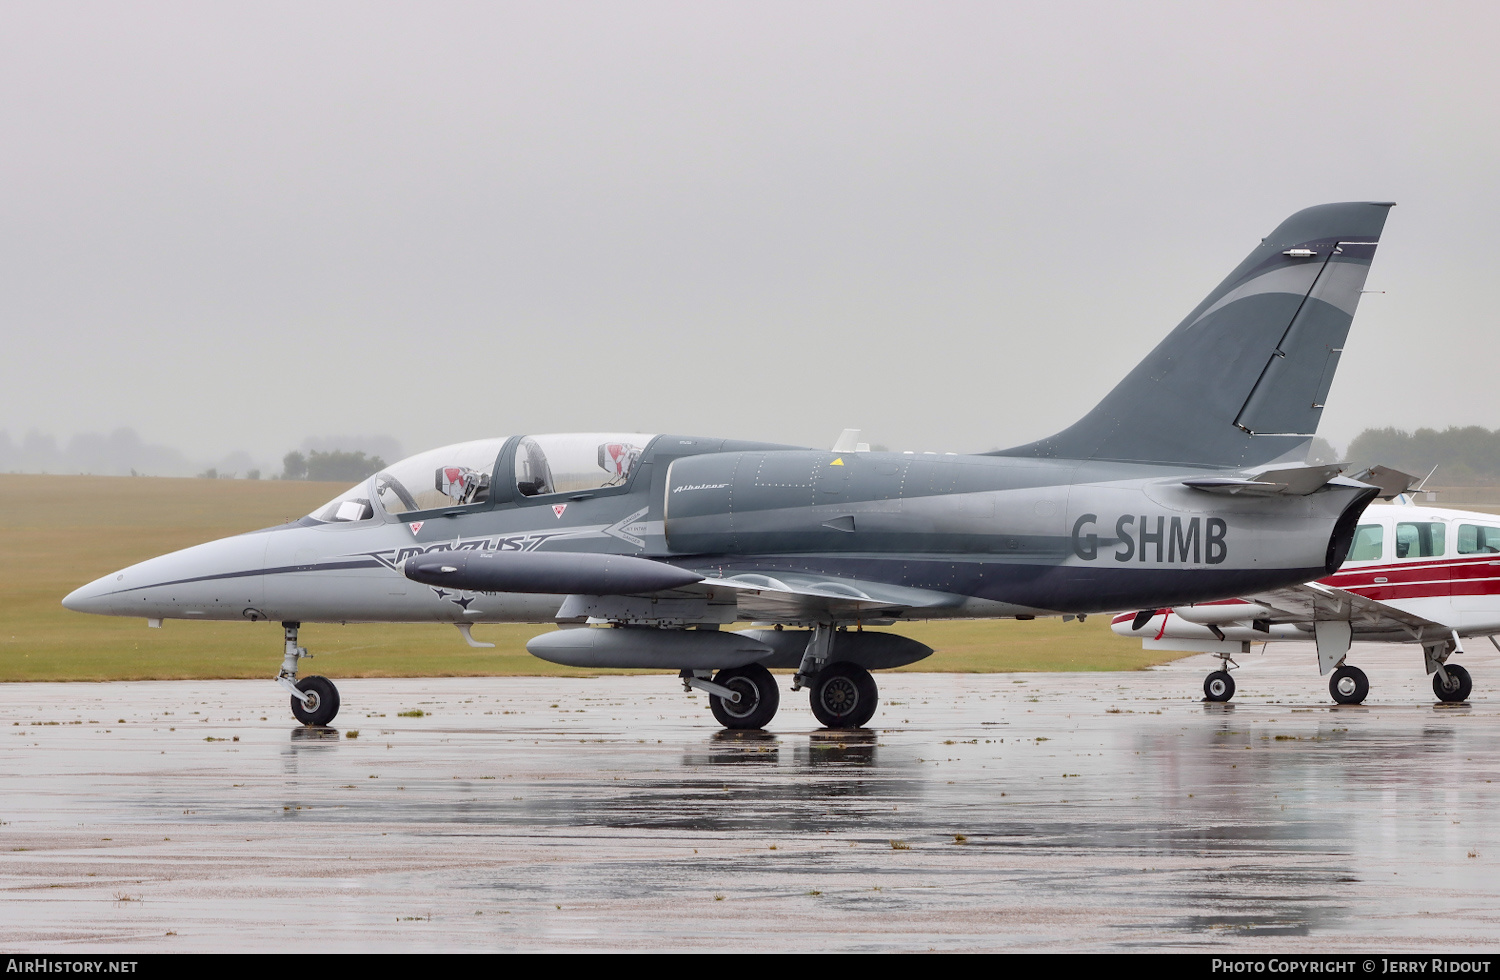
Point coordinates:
[(217, 580), (91, 598)]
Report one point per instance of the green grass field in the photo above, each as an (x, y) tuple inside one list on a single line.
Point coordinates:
[(59, 532)]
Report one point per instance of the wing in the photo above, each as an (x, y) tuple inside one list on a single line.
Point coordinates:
[(793, 597), (1313, 601)]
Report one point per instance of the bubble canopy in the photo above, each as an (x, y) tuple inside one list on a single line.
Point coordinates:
[(463, 474), (453, 476)]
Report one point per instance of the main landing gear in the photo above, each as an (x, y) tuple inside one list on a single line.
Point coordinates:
[(315, 701), (741, 697), (1450, 682), (1349, 685), (843, 694)]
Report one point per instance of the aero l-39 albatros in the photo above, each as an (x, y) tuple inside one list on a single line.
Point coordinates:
[(1185, 484)]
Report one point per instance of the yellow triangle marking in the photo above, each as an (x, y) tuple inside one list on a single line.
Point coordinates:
[(837, 462)]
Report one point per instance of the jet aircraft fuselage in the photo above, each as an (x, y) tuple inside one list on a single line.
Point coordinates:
[(904, 535), (1185, 484)]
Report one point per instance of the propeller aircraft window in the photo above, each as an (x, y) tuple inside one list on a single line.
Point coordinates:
[(1476, 539), (1420, 539), (1369, 543), (577, 461)]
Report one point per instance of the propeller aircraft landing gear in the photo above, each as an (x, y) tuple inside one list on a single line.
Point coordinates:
[(1458, 684), (315, 701), (1349, 685), (1450, 682), (1219, 686)]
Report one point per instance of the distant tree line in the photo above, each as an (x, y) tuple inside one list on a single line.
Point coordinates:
[(1463, 456), (335, 466)]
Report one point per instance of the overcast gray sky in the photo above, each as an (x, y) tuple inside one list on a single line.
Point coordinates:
[(234, 226)]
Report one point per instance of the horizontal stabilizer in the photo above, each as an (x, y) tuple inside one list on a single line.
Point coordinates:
[(548, 572), (1292, 481), (1392, 482)]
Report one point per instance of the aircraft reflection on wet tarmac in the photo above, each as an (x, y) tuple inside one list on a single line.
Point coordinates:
[(1100, 811)]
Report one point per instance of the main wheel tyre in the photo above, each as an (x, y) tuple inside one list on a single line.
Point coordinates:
[(844, 695), (1218, 686), (1459, 686), (1349, 685), (322, 702), (759, 697)]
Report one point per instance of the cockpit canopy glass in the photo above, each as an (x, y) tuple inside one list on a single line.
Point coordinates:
[(453, 476), (576, 461)]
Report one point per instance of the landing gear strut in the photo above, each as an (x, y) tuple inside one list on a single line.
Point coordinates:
[(1219, 686), (315, 701), (1450, 682)]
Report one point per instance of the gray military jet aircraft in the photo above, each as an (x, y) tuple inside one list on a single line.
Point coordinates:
[(1185, 484)]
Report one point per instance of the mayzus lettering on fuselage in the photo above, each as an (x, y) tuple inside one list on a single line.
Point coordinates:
[(1185, 484)]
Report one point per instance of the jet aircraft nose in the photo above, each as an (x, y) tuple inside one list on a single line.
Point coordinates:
[(90, 598), (217, 580)]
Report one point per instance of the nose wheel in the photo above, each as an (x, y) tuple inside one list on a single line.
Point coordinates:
[(1349, 685), (321, 703), (315, 701), (1218, 686)]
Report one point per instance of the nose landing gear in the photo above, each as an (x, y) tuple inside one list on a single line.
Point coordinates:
[(315, 701), (1219, 686)]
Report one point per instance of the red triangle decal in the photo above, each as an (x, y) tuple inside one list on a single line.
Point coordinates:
[(559, 508), (416, 526)]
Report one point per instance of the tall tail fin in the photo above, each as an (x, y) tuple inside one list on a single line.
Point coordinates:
[(1242, 380)]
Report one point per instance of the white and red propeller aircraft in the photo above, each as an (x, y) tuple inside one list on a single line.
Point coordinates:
[(1428, 576)]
